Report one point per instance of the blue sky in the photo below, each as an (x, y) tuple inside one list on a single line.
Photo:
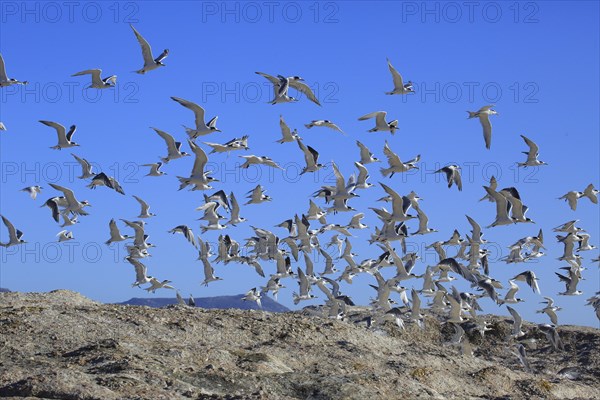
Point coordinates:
[(543, 81)]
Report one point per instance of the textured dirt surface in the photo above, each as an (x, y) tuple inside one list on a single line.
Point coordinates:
[(61, 345)]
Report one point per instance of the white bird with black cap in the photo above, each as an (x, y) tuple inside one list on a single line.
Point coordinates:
[(202, 128), (150, 63), (381, 125), (399, 86), (4, 79), (97, 81), (64, 137), (14, 235)]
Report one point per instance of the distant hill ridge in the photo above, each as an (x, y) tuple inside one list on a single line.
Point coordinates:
[(217, 302)]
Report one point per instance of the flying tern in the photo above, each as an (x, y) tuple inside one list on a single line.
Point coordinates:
[(399, 86), (64, 137), (532, 154), (484, 118), (150, 63), (381, 125), (14, 235), (97, 81), (323, 123), (202, 128), (4, 79)]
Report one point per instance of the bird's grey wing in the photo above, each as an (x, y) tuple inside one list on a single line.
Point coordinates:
[(303, 280), (304, 88), (140, 269), (392, 157), (476, 228), (87, 72), (257, 193), (208, 269), (512, 292), (423, 220), (365, 154), (200, 161), (3, 76), (146, 50), (169, 140), (144, 205), (374, 114), (69, 195), (191, 238), (274, 80), (397, 78), (325, 255), (501, 201), (235, 207), (11, 228), (487, 129), (380, 119), (416, 301), (397, 201), (589, 193), (516, 317), (533, 148), (325, 290), (95, 75), (339, 178), (60, 130), (85, 165), (457, 179), (572, 202), (355, 220), (307, 155), (285, 129), (198, 110), (114, 230), (335, 127), (363, 172), (486, 108)]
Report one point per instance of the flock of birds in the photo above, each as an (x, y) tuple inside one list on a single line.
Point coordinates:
[(302, 234)]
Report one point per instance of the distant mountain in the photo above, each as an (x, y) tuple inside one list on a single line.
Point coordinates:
[(4, 290), (218, 302)]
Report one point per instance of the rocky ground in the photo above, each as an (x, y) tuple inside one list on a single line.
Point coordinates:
[(61, 345)]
